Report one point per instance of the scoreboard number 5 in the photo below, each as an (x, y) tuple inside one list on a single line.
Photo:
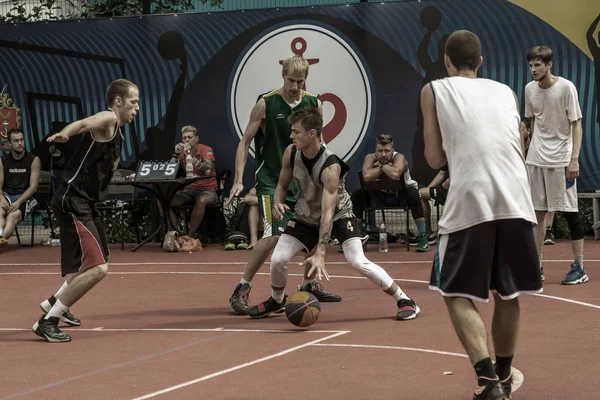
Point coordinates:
[(157, 170)]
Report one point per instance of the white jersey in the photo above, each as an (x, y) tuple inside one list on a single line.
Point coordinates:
[(553, 109), (479, 123)]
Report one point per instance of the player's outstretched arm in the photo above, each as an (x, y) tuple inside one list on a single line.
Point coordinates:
[(434, 151), (257, 116), (285, 177), (100, 124), (593, 46)]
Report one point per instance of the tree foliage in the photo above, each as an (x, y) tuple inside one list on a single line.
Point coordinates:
[(38, 10)]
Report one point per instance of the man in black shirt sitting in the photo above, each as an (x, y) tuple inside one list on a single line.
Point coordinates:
[(19, 177)]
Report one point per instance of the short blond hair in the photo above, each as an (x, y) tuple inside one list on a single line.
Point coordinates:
[(189, 128), (295, 65)]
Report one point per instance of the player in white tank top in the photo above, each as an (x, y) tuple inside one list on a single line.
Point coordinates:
[(486, 236), (479, 123)]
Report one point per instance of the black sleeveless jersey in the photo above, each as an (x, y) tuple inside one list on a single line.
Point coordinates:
[(91, 168), (17, 173)]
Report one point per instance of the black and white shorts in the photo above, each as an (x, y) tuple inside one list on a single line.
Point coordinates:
[(499, 255), (343, 229), (82, 236)]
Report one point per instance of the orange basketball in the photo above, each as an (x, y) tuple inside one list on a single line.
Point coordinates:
[(302, 309)]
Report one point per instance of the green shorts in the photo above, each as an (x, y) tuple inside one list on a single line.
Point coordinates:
[(273, 226)]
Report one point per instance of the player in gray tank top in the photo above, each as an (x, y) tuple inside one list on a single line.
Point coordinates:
[(308, 174), (323, 207)]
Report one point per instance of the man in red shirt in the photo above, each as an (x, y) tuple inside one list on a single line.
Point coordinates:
[(203, 192)]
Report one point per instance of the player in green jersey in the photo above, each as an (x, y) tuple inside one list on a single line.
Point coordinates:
[(269, 116)]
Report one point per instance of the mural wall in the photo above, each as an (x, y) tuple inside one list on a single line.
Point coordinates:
[(368, 64)]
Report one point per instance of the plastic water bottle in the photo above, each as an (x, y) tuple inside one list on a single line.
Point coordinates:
[(189, 166), (383, 241)]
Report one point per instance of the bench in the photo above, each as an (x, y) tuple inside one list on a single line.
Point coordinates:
[(595, 196)]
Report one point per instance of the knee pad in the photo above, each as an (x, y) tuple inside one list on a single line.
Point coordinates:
[(575, 225)]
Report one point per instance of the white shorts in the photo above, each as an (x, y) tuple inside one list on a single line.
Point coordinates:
[(549, 190)]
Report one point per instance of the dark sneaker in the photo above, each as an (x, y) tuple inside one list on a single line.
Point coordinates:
[(432, 238), (491, 391), (542, 273), (264, 309), (422, 243), (317, 290), (67, 317), (407, 309), (575, 276), (48, 329), (413, 240), (549, 239), (507, 386), (238, 302)]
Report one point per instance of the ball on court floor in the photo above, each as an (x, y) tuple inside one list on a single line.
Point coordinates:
[(302, 309)]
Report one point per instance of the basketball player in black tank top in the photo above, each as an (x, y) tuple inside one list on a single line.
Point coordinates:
[(84, 248)]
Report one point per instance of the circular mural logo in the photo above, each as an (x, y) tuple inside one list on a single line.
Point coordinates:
[(337, 76)]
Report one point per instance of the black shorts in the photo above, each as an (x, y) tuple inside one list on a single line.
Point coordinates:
[(499, 255), (82, 236), (25, 207), (343, 229), (438, 194)]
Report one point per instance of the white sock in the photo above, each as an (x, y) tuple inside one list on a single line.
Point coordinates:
[(1, 231), (57, 310), (243, 281), (61, 290), (399, 295), (277, 294)]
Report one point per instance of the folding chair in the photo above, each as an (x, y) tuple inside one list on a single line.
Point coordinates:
[(121, 198), (222, 176), (42, 197), (379, 185)]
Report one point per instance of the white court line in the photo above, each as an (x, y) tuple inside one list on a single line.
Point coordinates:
[(220, 263), (581, 303), (369, 346), (101, 329), (566, 300), (202, 273), (248, 364)]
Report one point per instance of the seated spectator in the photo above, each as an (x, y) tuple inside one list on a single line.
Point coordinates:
[(19, 178), (438, 191), (203, 192), (386, 163)]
